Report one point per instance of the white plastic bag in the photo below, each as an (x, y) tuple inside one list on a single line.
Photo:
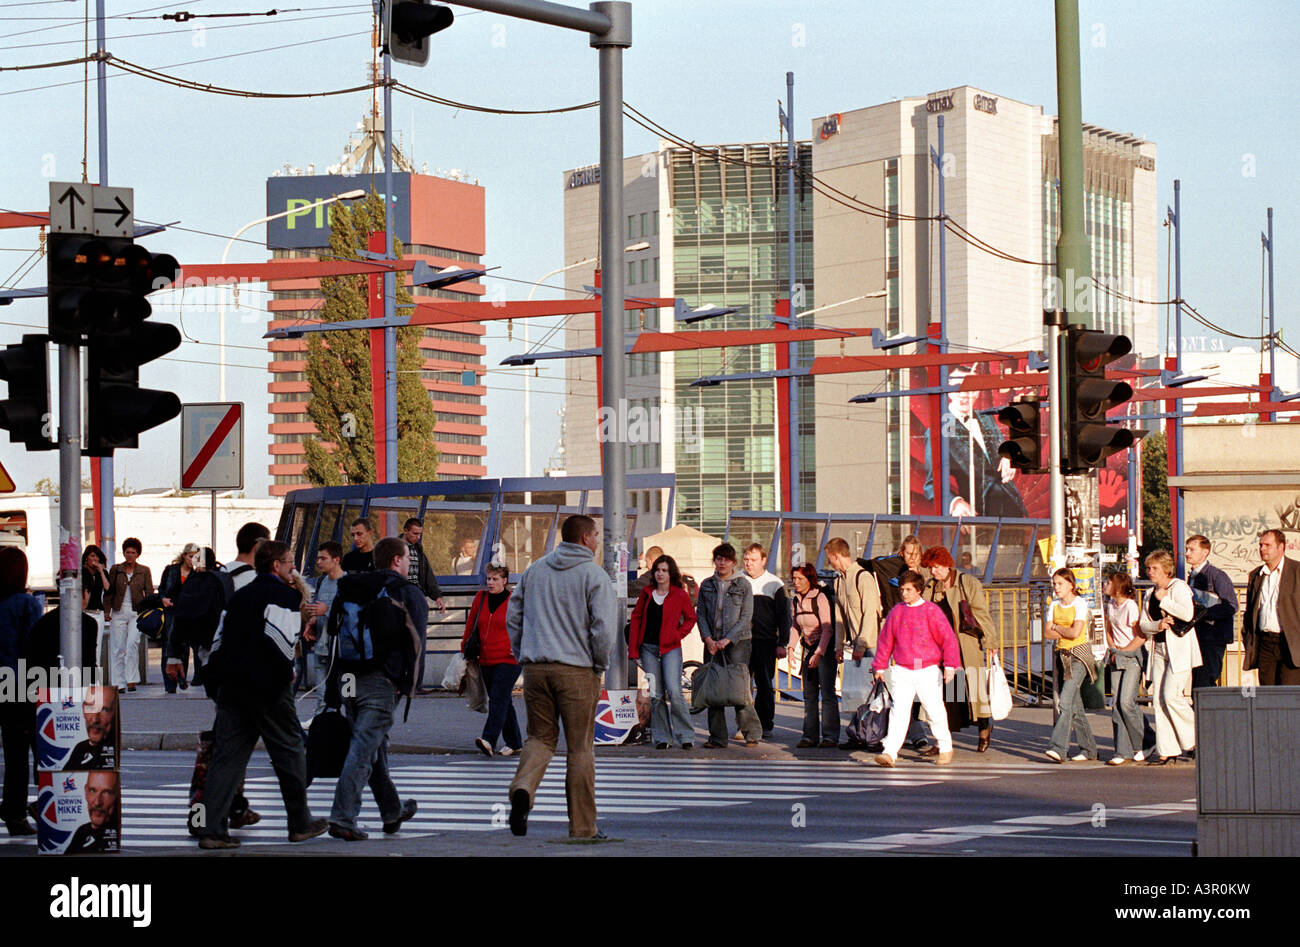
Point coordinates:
[(455, 671), (856, 681), (999, 690)]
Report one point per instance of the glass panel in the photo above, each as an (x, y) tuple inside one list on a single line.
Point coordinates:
[(600, 538), (974, 547), (934, 534), (853, 532), (453, 535), (330, 517), (299, 523), (887, 538), (1014, 543), (522, 540), (800, 542), (741, 531), (13, 528), (388, 515)]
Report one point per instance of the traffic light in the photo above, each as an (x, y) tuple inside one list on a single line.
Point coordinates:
[(26, 412), (1025, 447), (407, 26), (98, 284), (1089, 394), (117, 408)]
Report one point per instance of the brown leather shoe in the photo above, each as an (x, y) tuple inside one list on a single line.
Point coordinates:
[(931, 750), (985, 737)]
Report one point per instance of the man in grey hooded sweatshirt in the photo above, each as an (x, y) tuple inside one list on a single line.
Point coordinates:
[(562, 625)]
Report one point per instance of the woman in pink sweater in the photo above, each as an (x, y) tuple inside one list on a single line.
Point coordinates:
[(919, 638)]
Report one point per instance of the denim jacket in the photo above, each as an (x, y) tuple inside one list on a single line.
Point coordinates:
[(737, 609)]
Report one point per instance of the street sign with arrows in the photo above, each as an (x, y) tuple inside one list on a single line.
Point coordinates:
[(85, 208)]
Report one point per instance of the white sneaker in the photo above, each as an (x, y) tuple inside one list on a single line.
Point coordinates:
[(1080, 758), (1139, 756), (1052, 755), (484, 746), (506, 751)]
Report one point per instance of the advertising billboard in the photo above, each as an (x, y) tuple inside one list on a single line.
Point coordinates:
[(306, 227)]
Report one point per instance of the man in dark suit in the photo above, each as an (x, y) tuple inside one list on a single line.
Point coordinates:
[(1271, 626), (1213, 589)]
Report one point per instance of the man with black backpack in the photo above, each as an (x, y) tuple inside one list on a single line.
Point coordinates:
[(857, 597), (251, 667), (377, 626)]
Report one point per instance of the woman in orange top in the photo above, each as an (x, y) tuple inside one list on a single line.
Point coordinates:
[(496, 661)]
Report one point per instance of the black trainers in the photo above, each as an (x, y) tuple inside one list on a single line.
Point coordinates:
[(408, 810), (519, 805), (211, 842), (246, 818), (311, 830)]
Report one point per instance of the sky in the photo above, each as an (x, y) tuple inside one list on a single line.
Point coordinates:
[(1213, 85)]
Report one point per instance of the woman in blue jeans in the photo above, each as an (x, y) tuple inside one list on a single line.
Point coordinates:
[(1074, 665), (1126, 658), (662, 617), (497, 662), (817, 667)]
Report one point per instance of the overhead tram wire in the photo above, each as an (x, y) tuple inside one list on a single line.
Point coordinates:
[(172, 32), (74, 20)]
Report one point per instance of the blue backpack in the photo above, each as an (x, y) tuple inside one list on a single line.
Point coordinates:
[(372, 629)]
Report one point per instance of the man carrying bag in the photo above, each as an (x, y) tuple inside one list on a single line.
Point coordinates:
[(724, 613)]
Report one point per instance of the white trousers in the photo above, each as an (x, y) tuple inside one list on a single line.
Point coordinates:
[(925, 685), (1175, 724), (124, 648)]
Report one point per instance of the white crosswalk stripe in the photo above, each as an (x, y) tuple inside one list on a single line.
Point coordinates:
[(469, 794), (952, 834)]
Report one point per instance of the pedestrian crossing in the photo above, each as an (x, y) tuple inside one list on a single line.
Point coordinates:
[(470, 794), (1098, 817)]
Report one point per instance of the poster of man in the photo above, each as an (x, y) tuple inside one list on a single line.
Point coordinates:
[(79, 812), (77, 729)]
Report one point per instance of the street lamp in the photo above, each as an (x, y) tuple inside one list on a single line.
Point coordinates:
[(221, 304)]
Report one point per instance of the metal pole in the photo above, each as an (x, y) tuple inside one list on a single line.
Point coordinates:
[(1272, 340), (390, 289), (1056, 482), (944, 495), (1178, 363), (613, 288), (214, 522), (791, 155), (108, 528), (70, 506)]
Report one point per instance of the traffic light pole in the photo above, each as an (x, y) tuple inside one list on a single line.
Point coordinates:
[(106, 534), (1055, 424), (70, 506)]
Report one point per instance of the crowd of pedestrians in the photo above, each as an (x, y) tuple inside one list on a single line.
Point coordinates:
[(914, 619)]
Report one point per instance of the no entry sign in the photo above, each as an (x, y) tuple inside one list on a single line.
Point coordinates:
[(212, 446)]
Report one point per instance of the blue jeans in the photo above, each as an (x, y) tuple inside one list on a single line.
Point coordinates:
[(371, 713), (1072, 716), (669, 720), (1126, 716), (499, 681)]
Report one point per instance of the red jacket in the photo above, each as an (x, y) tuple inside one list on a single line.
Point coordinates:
[(492, 633), (679, 619)]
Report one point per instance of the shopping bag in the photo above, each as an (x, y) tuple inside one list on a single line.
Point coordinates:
[(720, 684), (856, 681), (999, 690), (455, 671), (870, 721), (471, 685), (328, 740)]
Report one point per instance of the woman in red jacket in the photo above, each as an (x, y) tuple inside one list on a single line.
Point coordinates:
[(662, 618), (497, 662)]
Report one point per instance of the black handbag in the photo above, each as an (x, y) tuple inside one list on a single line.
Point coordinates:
[(474, 644), (1179, 627), (328, 740)]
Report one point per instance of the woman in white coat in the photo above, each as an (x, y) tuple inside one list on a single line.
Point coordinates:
[(1174, 657)]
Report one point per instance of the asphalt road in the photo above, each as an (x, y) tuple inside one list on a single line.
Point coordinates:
[(684, 804)]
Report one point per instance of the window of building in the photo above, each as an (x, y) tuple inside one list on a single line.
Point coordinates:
[(631, 227), (631, 272)]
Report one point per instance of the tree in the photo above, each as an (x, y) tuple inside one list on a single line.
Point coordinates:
[(1157, 530), (338, 371), (50, 487)]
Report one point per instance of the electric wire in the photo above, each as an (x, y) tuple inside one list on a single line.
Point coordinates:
[(172, 32)]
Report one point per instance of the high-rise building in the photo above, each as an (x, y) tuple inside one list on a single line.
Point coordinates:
[(867, 240), (439, 220), (1001, 184), (711, 229)]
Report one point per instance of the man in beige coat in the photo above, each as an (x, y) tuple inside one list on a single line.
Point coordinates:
[(857, 597)]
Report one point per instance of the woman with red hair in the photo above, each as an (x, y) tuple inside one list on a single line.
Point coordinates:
[(961, 598)]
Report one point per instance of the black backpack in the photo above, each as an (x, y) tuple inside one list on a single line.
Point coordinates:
[(200, 603), (372, 629), (886, 569)]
